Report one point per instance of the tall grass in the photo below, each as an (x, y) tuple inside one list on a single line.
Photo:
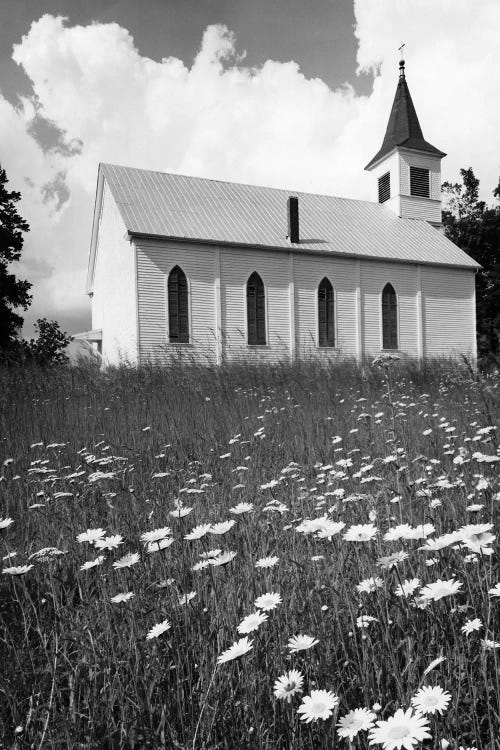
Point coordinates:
[(415, 446)]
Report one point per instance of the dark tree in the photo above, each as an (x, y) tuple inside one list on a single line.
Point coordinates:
[(13, 292), (49, 346), (475, 228)]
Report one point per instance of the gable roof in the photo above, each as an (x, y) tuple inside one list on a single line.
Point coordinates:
[(403, 128), (175, 207)]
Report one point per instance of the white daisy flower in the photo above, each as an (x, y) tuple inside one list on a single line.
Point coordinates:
[(156, 534), (109, 542), (180, 512), (495, 591), (486, 643), (428, 700), (357, 720), (200, 565), (403, 730), (392, 561), (5, 522), (127, 561), (266, 562), (17, 570), (241, 508), (363, 621), (364, 532), (222, 559), (288, 685), (251, 622), (407, 588), (186, 598), (120, 598), (158, 629), (210, 553), (318, 705), (92, 563), (222, 528), (439, 589), (159, 545), (91, 535), (268, 601), (369, 585), (471, 626), (198, 531), (301, 643), (239, 648)]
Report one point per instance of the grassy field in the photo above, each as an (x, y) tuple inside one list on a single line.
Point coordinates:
[(338, 526)]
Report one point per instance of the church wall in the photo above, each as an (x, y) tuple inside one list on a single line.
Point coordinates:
[(155, 260), (308, 273), (448, 306), (114, 309), (236, 266), (403, 277)]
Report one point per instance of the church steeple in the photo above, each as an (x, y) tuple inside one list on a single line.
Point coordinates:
[(408, 166)]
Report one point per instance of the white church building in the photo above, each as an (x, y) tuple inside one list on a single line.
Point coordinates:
[(209, 271)]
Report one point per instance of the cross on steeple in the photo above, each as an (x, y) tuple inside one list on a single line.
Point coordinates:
[(401, 48)]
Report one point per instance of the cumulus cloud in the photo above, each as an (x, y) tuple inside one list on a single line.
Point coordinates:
[(216, 117)]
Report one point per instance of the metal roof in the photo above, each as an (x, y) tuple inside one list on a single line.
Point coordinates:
[(403, 128), (173, 206)]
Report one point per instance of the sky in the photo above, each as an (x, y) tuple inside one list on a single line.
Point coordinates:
[(273, 92)]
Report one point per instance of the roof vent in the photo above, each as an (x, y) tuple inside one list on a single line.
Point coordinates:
[(293, 219)]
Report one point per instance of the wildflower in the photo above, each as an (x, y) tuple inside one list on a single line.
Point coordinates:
[(474, 507), (361, 533), (318, 705), (210, 553), (200, 565), (440, 542), (186, 598), (266, 562), (392, 561), (471, 625), (407, 587), (17, 570), (222, 559), (485, 643), (268, 601), (478, 543), (5, 522), (160, 544), (495, 591), (127, 561), (428, 700), (301, 643), (403, 730), (288, 685), (156, 534), (110, 542), (120, 598), (364, 620), (360, 719), (369, 585), (222, 528), (241, 508), (198, 531), (330, 528), (91, 535), (158, 629), (239, 648), (440, 589), (92, 563), (434, 663), (252, 622), (180, 512)]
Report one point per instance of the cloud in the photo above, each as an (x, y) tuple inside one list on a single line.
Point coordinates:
[(103, 101)]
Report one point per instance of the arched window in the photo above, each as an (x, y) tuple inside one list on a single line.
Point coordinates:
[(178, 316), (389, 318), (326, 314), (256, 310)]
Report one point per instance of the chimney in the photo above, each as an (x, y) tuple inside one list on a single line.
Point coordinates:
[(293, 219)]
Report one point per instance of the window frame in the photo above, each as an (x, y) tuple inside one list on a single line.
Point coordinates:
[(415, 179), (257, 342), (186, 339), (320, 344), (395, 312)]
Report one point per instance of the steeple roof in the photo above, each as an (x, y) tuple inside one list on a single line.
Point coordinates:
[(403, 128)]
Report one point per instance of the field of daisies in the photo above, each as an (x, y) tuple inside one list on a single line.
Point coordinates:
[(264, 559)]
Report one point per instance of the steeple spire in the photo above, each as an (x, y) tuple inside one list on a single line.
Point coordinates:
[(403, 128)]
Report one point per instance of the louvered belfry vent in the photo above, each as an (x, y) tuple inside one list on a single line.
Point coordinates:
[(419, 182), (293, 219), (384, 187)]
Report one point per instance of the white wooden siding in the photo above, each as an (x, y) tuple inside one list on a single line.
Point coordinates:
[(416, 207), (236, 267), (448, 302), (403, 277), (114, 308), (392, 165), (155, 260), (308, 273)]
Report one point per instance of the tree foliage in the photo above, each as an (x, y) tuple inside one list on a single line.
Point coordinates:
[(14, 293), (475, 228)]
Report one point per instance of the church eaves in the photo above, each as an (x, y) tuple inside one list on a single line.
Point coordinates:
[(403, 128)]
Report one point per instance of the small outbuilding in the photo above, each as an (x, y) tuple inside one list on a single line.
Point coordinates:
[(209, 271)]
